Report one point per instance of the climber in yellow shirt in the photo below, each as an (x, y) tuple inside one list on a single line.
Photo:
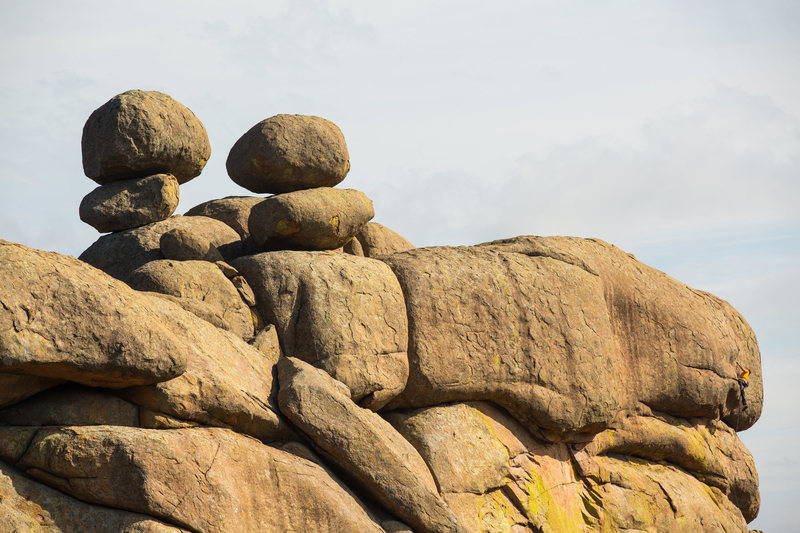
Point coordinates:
[(744, 382)]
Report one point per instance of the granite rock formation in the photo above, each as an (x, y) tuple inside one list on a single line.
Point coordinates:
[(280, 363)]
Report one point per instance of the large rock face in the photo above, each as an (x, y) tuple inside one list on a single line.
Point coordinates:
[(565, 332), (527, 333), (679, 345), (62, 319), (139, 133), (527, 385)]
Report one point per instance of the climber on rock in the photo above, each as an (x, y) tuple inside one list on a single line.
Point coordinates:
[(743, 380)]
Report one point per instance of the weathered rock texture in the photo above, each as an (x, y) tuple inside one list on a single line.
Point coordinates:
[(26, 505), (119, 254), (376, 240), (281, 364), (186, 244), (679, 345), (566, 332), (232, 210), (316, 219), (14, 388), (130, 203), (139, 133), (207, 480), (204, 284), (364, 445), (62, 319), (287, 153), (343, 314)]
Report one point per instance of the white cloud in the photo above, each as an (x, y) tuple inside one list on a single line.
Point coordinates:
[(724, 163)]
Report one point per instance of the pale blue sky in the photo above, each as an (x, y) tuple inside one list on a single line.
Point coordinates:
[(671, 129)]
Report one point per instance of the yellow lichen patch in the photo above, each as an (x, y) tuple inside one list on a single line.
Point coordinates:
[(334, 221), (551, 515), (286, 227)]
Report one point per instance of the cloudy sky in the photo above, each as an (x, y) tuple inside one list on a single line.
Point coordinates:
[(671, 129)]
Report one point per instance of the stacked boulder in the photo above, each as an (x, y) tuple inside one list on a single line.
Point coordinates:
[(299, 158), (139, 146), (280, 363)]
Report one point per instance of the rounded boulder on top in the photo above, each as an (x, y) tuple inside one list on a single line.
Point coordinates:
[(287, 153), (139, 133)]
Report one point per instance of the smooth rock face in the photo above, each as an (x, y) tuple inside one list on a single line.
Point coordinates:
[(139, 133), (130, 203), (232, 210), (207, 480), (316, 219), (473, 460), (287, 153), (227, 383), (184, 244), (564, 333), (201, 281), (28, 506), (530, 334), (364, 445), (343, 314), (678, 345), (119, 254), (377, 241), (62, 319)]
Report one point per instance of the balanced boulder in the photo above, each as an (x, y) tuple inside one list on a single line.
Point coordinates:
[(287, 153), (316, 219), (139, 133), (130, 203)]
